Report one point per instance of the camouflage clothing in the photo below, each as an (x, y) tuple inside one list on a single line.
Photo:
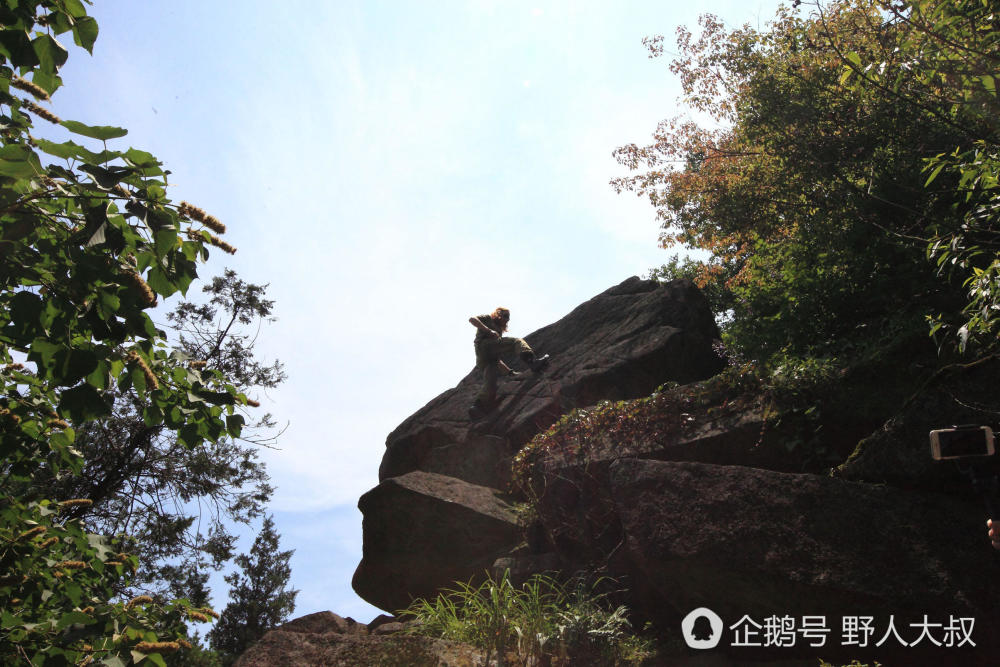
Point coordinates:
[(489, 350), (490, 322)]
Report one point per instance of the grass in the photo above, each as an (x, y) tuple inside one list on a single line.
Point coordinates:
[(542, 622)]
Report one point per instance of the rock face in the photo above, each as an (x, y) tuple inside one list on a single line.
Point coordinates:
[(748, 542), (623, 343), (325, 638), (452, 526), (437, 515), (706, 495), (744, 541)]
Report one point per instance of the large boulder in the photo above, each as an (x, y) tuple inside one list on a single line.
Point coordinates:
[(424, 531), (435, 518), (324, 638), (623, 343), (743, 541), (574, 511), (899, 453)]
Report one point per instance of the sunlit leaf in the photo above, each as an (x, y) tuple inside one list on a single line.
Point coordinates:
[(103, 132)]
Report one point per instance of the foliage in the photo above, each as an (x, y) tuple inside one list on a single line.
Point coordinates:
[(194, 654), (942, 58), (613, 429), (719, 297), (802, 189), (541, 622), (89, 243), (811, 411), (145, 484), (259, 597)]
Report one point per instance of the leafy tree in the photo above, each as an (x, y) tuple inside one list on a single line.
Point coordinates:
[(942, 58), (143, 483), (802, 189), (260, 599), (89, 241)]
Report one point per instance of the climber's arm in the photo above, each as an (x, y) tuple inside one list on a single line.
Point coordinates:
[(474, 321)]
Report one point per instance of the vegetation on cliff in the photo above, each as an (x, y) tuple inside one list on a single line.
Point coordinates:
[(540, 622)]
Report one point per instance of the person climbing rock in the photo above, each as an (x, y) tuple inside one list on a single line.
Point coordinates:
[(490, 346)]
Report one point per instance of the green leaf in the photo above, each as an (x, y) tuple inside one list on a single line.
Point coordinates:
[(60, 22), (44, 353), (16, 45), (85, 33), (72, 150), (25, 315), (98, 237), (60, 440), (152, 416), (19, 161), (934, 174), (110, 303), (141, 159), (234, 425), (75, 8), (103, 132), (49, 82), (165, 240), (51, 54), (159, 283), (82, 403), (73, 617), (188, 436), (101, 544), (157, 219), (98, 378), (65, 150), (106, 177), (217, 397), (190, 251), (79, 364), (113, 661)]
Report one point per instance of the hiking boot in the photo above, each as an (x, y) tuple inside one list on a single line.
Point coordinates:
[(537, 364), (540, 364)]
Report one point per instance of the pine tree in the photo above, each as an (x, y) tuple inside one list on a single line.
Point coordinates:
[(259, 599)]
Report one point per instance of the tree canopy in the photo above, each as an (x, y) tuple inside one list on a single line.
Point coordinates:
[(259, 595), (941, 58), (808, 190), (90, 241), (178, 503)]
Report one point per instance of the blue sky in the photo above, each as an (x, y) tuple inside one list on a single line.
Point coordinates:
[(389, 168)]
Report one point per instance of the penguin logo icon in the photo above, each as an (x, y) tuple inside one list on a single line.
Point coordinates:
[(702, 628)]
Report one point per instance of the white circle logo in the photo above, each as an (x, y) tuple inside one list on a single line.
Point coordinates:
[(702, 628)]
